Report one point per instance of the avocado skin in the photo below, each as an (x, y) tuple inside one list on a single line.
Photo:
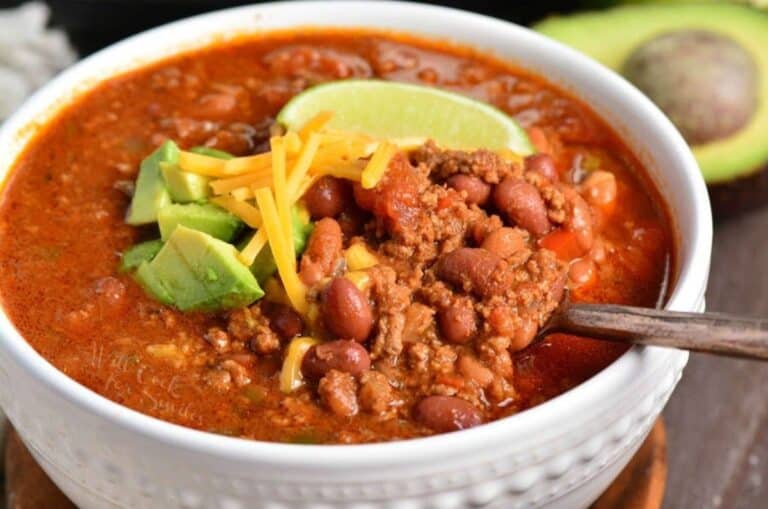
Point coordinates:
[(732, 166), (151, 194)]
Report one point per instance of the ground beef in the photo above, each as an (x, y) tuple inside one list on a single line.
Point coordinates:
[(485, 164), (251, 326), (376, 395), (338, 392)]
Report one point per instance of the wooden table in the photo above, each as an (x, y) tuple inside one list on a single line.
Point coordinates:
[(717, 419)]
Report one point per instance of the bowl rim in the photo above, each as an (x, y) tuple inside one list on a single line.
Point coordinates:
[(688, 288)]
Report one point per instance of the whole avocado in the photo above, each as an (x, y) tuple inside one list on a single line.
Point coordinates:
[(706, 66)]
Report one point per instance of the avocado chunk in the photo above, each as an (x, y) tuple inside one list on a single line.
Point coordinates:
[(151, 194), (264, 265), (184, 186), (147, 278), (204, 217), (211, 152), (699, 43), (137, 254), (200, 272)]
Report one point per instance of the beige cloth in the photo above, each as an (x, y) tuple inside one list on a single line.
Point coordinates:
[(30, 53)]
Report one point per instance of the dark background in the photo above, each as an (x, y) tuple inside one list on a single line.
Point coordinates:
[(93, 24)]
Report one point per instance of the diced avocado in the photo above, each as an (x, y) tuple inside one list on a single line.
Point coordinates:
[(215, 264), (194, 271), (264, 265), (184, 186), (147, 278), (186, 291), (206, 217), (139, 253), (211, 152), (151, 194), (302, 227)]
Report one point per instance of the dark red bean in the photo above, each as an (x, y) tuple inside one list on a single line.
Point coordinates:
[(474, 269), (324, 248), (458, 323), (328, 197), (521, 203), (342, 355), (285, 321), (477, 191), (447, 413), (346, 311), (542, 164)]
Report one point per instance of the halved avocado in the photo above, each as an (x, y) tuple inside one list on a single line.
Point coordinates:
[(706, 66)]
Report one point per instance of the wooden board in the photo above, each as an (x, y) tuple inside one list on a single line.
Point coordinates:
[(639, 486), (27, 486)]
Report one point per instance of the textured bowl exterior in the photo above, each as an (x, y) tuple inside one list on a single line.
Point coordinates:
[(561, 454)]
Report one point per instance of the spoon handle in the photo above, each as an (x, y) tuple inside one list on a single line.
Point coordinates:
[(701, 332)]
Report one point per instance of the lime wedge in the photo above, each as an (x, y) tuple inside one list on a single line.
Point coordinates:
[(386, 109)]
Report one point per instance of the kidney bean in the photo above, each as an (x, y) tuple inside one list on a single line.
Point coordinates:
[(599, 188), (447, 413), (475, 371), (458, 323), (285, 321), (346, 311), (542, 164), (474, 269), (323, 250), (579, 218), (328, 197), (524, 335), (342, 355), (521, 203), (504, 242), (477, 191), (581, 271)]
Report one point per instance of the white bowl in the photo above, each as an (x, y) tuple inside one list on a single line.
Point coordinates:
[(561, 454)]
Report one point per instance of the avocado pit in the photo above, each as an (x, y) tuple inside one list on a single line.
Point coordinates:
[(705, 82)]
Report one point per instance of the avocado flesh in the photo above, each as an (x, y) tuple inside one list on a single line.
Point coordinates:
[(264, 265), (611, 37), (184, 186), (194, 271), (148, 279), (205, 217), (151, 194), (137, 254)]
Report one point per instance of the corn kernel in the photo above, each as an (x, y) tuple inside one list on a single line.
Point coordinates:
[(360, 278), (359, 258)]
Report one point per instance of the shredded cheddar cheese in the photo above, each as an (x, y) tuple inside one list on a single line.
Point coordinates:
[(286, 264), (253, 248), (262, 189), (281, 193), (378, 164), (315, 124), (249, 214)]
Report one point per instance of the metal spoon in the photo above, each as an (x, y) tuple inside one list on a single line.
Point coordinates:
[(716, 333)]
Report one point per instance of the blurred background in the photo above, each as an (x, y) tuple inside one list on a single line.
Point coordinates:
[(92, 24)]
